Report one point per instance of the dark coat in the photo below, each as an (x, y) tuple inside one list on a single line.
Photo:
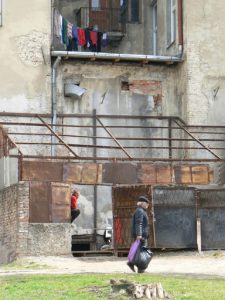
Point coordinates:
[(140, 223)]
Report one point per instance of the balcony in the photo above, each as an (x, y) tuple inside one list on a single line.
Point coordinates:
[(100, 27), (106, 20)]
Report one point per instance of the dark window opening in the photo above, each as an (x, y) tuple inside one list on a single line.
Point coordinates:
[(125, 86), (134, 11)]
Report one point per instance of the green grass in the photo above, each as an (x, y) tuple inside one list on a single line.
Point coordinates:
[(97, 286), (24, 265)]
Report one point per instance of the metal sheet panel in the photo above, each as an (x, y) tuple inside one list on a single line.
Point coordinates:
[(212, 215), (124, 205), (189, 174), (164, 174), (119, 173), (42, 171), (82, 173), (211, 198), (175, 227), (40, 196), (91, 173), (175, 217), (60, 203), (212, 228), (182, 174), (146, 173), (200, 174), (154, 173)]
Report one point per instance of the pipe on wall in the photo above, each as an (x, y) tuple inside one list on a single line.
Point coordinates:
[(116, 56), (180, 25), (54, 100)]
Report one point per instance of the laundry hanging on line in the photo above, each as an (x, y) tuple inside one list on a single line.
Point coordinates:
[(73, 36)]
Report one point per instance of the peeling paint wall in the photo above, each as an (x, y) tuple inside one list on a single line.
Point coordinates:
[(204, 71), (25, 58)]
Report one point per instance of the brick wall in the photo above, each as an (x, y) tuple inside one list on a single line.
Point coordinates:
[(8, 223), (18, 237)]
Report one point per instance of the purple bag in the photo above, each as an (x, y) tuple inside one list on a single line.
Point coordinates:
[(133, 250)]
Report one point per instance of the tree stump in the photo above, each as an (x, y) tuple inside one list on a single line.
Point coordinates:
[(153, 291)]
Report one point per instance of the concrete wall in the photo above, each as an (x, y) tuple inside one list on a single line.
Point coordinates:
[(204, 72), (49, 239), (9, 171), (25, 61)]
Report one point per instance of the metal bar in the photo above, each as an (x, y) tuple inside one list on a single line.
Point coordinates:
[(124, 158), (170, 137), (114, 138), (95, 187), (114, 147), (197, 140), (30, 115), (15, 145), (52, 131)]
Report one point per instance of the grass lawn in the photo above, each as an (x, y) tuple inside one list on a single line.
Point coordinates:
[(97, 286)]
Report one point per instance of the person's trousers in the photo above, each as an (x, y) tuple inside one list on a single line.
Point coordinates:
[(74, 214)]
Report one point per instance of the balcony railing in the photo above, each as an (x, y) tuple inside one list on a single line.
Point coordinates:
[(102, 19)]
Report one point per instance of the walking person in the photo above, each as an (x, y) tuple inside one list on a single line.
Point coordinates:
[(140, 226), (74, 205)]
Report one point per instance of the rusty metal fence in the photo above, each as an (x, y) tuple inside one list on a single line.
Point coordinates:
[(113, 138)]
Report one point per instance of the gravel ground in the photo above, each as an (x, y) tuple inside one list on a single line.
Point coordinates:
[(209, 263)]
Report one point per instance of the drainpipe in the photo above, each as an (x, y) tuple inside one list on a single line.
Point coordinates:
[(180, 26), (54, 101)]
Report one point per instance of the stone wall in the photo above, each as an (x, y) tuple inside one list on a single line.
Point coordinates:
[(49, 239)]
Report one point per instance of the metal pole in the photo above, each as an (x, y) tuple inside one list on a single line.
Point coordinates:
[(95, 186)]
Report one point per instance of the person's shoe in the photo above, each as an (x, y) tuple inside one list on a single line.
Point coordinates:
[(131, 266), (141, 271)]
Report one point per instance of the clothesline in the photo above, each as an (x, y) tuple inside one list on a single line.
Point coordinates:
[(73, 36)]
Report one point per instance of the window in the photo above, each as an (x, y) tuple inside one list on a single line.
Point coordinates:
[(154, 27), (95, 3), (171, 22), (0, 12), (134, 11)]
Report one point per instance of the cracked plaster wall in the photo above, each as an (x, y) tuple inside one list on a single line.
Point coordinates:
[(25, 62), (204, 53)]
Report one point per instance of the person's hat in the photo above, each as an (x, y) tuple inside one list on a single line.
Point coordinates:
[(143, 199)]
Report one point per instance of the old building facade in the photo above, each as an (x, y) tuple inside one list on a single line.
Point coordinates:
[(101, 95)]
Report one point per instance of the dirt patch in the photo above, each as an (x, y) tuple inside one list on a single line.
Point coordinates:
[(209, 263)]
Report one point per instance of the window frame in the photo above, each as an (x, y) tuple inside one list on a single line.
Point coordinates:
[(98, 7), (171, 22), (154, 27), (0, 13)]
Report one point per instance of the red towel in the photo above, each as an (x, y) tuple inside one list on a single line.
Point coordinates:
[(93, 37), (81, 36)]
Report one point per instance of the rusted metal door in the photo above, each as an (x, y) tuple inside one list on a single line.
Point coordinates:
[(175, 217), (49, 202), (124, 205), (60, 203), (40, 209), (212, 215)]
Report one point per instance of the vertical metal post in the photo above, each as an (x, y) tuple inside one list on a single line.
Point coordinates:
[(170, 136), (95, 186)]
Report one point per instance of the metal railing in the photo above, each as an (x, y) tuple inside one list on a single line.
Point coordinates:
[(112, 138)]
